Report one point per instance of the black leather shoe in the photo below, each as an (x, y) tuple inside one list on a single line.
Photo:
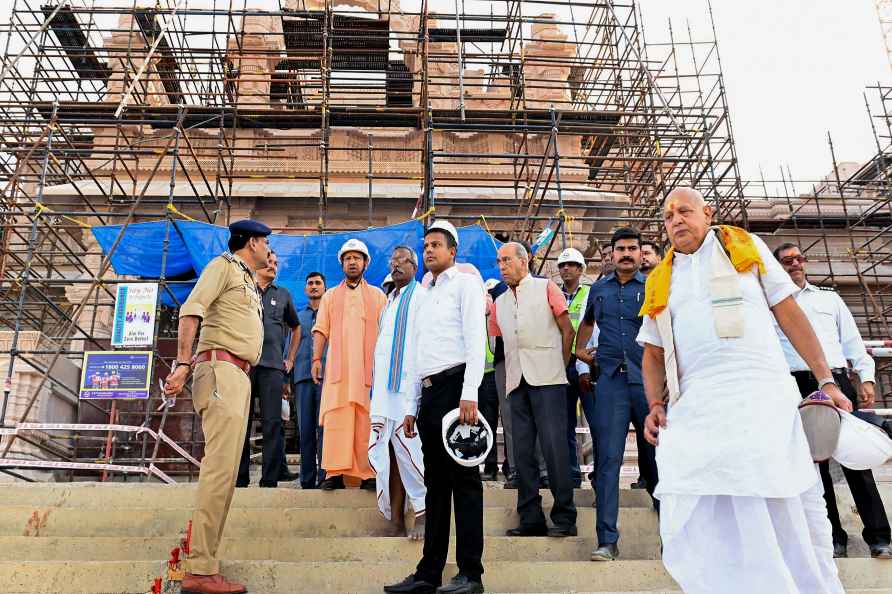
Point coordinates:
[(577, 483), (332, 483), (411, 585), (511, 482), (543, 482), (461, 585), (608, 552), (368, 485), (527, 531), (562, 531), (840, 551), (287, 476), (883, 551), (489, 474)]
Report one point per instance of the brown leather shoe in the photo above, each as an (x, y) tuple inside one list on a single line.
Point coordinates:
[(210, 584)]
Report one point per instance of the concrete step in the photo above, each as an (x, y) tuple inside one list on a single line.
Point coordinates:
[(126, 495), (634, 523), (359, 577), (368, 549)]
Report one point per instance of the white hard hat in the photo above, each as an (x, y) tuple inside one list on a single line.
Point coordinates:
[(821, 422), (571, 255), (491, 283), (387, 279), (467, 444), (861, 445), (354, 245), (443, 225)]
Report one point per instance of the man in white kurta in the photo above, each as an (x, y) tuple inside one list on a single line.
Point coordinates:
[(741, 502), (392, 390)]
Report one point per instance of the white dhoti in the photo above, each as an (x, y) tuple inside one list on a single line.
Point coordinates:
[(749, 544), (408, 459)]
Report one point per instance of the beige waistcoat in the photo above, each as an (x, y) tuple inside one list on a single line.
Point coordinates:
[(533, 347)]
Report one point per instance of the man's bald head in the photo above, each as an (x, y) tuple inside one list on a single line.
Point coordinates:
[(513, 261), (687, 218)]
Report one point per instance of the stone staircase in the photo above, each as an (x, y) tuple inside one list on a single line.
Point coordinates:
[(90, 538)]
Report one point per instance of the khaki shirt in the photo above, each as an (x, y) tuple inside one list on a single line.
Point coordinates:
[(226, 300)]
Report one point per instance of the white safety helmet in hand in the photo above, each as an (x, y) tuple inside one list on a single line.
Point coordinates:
[(571, 255), (467, 444), (443, 225), (861, 445), (354, 245), (821, 422)]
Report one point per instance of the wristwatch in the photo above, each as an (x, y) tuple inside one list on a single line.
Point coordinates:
[(825, 381)]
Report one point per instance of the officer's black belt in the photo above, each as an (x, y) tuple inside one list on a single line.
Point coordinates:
[(437, 378)]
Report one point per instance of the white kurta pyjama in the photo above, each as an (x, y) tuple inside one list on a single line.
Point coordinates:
[(741, 502), (388, 409)]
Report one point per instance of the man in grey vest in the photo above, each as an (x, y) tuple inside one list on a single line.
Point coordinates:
[(533, 320)]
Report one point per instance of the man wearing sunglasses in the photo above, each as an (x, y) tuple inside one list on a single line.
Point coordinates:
[(838, 334)]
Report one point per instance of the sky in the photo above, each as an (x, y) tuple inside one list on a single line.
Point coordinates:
[(794, 70)]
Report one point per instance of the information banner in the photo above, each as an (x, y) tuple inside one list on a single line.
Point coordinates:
[(134, 322), (116, 375)]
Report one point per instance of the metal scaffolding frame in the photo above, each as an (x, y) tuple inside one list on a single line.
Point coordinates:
[(160, 110), (843, 224)]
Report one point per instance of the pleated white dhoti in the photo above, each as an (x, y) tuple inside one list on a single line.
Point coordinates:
[(409, 460), (745, 545)]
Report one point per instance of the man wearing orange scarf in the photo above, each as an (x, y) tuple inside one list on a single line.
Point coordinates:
[(740, 501), (347, 323)]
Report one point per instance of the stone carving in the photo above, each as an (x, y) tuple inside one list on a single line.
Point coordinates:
[(262, 48), (547, 66)]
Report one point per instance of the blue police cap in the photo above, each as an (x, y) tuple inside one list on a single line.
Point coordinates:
[(249, 228)]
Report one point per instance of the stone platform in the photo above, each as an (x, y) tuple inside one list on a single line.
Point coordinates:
[(90, 538)]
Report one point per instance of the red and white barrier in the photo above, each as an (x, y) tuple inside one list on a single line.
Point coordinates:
[(879, 352), (151, 469)]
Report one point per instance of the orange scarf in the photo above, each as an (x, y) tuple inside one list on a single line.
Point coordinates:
[(370, 330), (741, 249)]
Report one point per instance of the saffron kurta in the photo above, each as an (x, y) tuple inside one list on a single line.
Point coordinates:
[(344, 411)]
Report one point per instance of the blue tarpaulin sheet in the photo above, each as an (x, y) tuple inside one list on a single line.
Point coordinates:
[(191, 245)]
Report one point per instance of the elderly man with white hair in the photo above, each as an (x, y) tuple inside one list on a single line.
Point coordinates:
[(533, 319), (392, 390), (741, 504)]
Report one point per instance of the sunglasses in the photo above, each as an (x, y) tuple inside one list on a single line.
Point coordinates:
[(794, 259)]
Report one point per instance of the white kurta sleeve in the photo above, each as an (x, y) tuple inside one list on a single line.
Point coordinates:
[(649, 333), (473, 310), (581, 366), (412, 389), (413, 376), (852, 345), (778, 284)]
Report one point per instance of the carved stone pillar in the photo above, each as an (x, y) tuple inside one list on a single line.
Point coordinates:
[(53, 403), (96, 317), (547, 66), (254, 63)]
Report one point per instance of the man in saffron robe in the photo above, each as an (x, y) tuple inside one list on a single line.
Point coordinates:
[(347, 323)]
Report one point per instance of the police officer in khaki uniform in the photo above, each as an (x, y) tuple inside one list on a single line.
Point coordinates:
[(226, 304)]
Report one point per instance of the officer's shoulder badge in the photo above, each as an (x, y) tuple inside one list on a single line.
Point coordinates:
[(228, 256)]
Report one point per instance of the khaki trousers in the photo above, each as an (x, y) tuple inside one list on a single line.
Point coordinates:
[(221, 394)]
